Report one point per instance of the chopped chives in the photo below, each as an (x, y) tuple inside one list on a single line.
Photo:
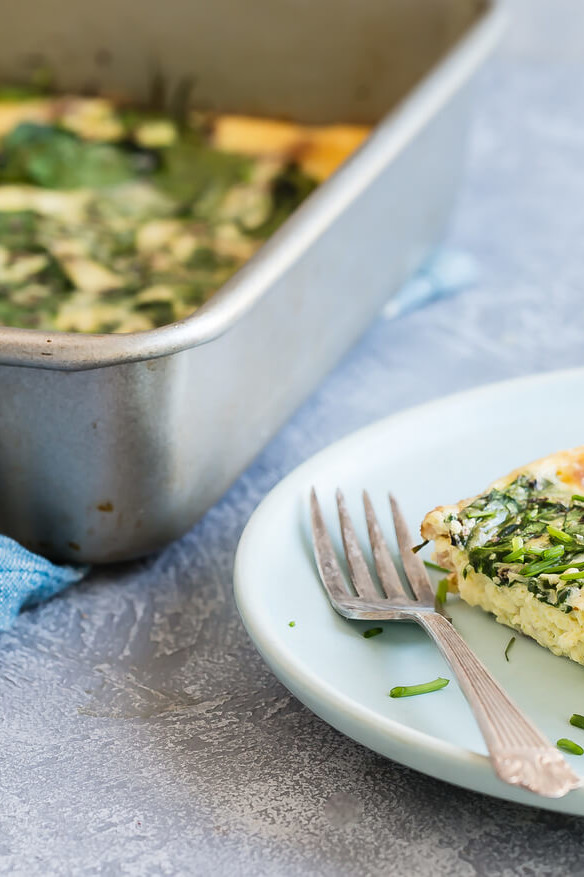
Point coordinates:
[(517, 551), (291, 624), (478, 513), (534, 569), (577, 720), (508, 647), (372, 631), (442, 590), (564, 566), (491, 549), (572, 576), (419, 547), (435, 566), (424, 688), (560, 535), (577, 497), (514, 557), (569, 746), (554, 552)]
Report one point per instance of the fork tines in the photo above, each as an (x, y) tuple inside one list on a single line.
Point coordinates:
[(362, 581)]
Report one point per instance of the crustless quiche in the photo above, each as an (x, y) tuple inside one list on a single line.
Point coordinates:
[(117, 220), (517, 550)]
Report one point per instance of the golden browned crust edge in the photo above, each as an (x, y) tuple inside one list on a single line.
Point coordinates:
[(568, 465)]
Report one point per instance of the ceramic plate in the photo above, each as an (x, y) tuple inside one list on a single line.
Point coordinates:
[(426, 456)]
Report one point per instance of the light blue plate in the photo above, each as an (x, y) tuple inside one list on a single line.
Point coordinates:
[(427, 456)]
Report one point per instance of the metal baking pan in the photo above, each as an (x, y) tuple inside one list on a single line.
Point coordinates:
[(111, 446)]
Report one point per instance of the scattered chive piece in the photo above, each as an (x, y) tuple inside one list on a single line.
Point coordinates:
[(419, 547), (572, 576), (442, 590), (569, 746), (435, 566), (508, 647), (559, 535), (554, 553), (478, 513), (291, 624), (373, 631), (577, 497), (577, 720), (424, 688)]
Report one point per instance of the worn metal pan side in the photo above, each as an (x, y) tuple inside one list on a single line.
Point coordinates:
[(390, 137), (111, 446)]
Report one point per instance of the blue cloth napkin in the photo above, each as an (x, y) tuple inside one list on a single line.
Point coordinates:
[(27, 578)]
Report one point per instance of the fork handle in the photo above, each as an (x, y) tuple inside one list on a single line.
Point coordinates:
[(519, 753)]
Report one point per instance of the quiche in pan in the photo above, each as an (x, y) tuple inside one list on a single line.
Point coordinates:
[(114, 219), (517, 550)]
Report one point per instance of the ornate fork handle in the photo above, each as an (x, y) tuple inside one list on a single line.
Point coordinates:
[(519, 753)]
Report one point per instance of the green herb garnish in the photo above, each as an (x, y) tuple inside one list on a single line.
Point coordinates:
[(517, 552), (435, 566), (577, 720), (372, 631), (563, 567), (541, 534), (534, 569), (569, 746), (424, 688), (560, 535), (419, 547), (442, 591), (291, 624), (508, 647)]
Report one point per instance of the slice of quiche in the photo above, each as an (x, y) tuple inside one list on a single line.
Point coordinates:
[(517, 550)]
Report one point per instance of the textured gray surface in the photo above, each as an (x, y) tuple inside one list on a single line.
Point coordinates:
[(141, 733)]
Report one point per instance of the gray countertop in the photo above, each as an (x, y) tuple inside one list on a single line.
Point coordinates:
[(140, 731)]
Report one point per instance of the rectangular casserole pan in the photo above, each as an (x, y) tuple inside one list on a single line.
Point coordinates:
[(113, 445)]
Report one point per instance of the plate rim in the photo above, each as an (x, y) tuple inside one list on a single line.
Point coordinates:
[(302, 678)]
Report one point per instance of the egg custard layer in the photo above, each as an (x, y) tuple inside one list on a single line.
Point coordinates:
[(517, 550)]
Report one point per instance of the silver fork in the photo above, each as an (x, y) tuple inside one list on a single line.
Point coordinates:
[(519, 753)]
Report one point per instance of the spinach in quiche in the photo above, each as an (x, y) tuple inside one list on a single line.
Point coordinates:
[(525, 533), (112, 220), (517, 550)]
